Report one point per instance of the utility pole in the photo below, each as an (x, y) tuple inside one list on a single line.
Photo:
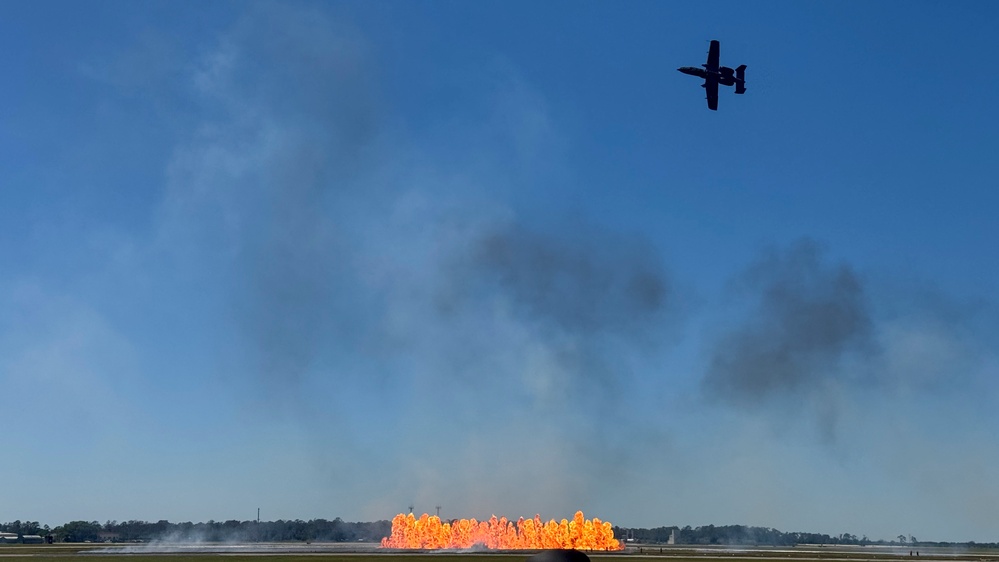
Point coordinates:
[(410, 509), (258, 515), (438, 512)]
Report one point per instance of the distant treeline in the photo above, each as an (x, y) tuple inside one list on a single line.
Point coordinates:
[(763, 536), (323, 530), (24, 528), (338, 530)]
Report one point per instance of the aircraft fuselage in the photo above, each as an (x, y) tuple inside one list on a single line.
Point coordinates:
[(724, 75)]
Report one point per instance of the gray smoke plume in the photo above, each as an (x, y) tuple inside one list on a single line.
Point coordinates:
[(605, 285), (355, 266), (593, 299), (806, 321), (323, 117), (257, 196)]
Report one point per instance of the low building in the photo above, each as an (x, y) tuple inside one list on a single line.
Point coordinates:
[(8, 538), (32, 539)]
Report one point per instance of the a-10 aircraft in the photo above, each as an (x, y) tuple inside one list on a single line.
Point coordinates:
[(714, 75)]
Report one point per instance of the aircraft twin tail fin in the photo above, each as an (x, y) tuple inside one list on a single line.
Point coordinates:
[(740, 79)]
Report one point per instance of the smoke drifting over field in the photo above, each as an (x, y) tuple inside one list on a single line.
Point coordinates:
[(352, 267), (258, 187)]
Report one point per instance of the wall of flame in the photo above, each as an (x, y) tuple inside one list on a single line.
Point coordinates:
[(429, 532)]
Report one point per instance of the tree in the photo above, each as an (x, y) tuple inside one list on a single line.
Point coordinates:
[(78, 531)]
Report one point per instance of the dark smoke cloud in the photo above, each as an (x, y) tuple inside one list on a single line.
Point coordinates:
[(806, 321), (604, 285), (506, 320)]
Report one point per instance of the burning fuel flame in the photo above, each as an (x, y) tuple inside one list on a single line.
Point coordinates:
[(430, 533)]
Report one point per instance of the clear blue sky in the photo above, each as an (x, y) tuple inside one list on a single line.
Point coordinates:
[(335, 259)]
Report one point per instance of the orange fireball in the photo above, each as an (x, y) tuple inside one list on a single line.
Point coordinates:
[(429, 532)]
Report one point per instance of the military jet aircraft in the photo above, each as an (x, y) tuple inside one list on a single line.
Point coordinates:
[(714, 75)]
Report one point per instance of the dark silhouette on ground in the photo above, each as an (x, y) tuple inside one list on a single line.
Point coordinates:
[(559, 555), (714, 75)]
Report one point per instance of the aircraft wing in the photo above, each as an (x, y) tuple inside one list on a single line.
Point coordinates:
[(713, 56), (711, 88)]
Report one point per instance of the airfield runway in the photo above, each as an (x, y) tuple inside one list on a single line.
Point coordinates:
[(350, 552)]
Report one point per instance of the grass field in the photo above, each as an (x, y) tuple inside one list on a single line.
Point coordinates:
[(352, 553)]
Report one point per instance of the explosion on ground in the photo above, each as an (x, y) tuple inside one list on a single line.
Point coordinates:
[(429, 532)]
